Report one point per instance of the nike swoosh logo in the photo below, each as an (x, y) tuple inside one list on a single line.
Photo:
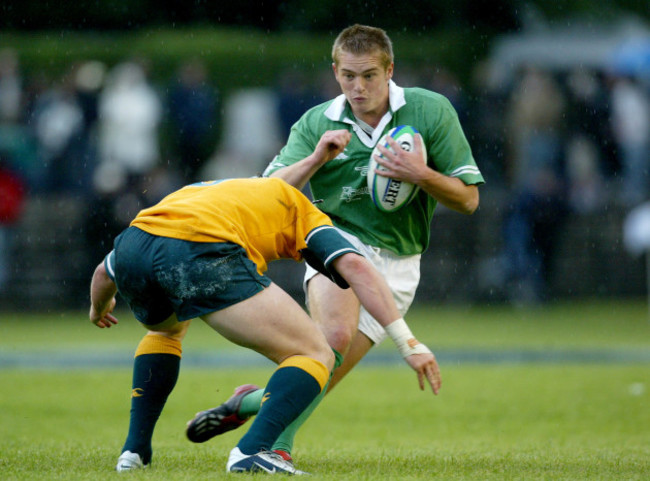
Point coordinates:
[(270, 471)]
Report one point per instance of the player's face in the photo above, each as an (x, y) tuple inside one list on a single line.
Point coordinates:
[(364, 81)]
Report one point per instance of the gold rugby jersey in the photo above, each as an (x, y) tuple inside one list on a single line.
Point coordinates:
[(266, 216)]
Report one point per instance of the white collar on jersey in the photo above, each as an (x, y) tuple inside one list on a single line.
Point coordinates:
[(396, 100)]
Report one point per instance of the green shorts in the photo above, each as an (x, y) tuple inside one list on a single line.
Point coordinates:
[(159, 276)]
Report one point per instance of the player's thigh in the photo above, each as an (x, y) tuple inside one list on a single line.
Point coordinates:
[(273, 324)]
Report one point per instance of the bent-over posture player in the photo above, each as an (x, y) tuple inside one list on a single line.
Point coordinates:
[(202, 252)]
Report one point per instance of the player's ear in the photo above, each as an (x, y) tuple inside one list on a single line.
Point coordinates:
[(389, 70)]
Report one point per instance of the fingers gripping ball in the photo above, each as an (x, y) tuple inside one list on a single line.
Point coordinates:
[(386, 193)]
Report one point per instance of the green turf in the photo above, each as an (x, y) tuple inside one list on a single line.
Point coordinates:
[(585, 324), (513, 421)]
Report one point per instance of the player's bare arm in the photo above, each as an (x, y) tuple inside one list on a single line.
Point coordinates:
[(331, 144), (375, 296), (408, 166), (451, 192), (102, 298), (369, 286)]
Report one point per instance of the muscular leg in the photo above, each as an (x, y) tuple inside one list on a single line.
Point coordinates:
[(336, 312), (155, 371), (273, 324)]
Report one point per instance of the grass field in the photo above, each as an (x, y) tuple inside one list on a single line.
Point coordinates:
[(569, 401)]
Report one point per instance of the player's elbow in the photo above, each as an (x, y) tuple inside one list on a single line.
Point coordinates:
[(351, 267), (470, 207), (471, 202)]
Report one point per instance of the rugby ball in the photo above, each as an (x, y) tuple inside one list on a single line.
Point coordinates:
[(390, 195)]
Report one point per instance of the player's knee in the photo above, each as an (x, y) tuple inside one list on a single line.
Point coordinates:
[(352, 265), (339, 337)]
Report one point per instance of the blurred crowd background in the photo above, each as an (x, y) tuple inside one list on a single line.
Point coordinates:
[(557, 111)]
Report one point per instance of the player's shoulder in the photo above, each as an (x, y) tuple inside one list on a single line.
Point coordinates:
[(317, 111), (428, 107), (427, 97), (315, 121)]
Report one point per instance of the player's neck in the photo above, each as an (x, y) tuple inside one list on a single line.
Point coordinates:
[(371, 118)]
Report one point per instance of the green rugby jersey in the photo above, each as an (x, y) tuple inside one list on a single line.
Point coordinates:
[(341, 183)]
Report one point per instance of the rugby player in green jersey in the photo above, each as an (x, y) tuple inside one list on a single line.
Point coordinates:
[(329, 148), (202, 252)]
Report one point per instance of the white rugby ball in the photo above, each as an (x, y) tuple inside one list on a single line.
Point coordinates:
[(388, 194)]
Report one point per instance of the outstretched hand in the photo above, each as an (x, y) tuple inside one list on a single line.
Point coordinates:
[(103, 318), (426, 366)]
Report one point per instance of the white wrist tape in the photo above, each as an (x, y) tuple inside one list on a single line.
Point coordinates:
[(404, 339)]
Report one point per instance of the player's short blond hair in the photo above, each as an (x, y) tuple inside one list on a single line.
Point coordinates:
[(362, 39)]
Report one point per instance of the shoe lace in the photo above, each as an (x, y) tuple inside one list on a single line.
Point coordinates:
[(272, 454)]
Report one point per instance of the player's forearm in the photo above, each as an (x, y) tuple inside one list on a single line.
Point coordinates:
[(370, 287), (451, 192), (298, 174)]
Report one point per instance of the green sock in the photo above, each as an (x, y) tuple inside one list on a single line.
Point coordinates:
[(250, 404), (285, 440)]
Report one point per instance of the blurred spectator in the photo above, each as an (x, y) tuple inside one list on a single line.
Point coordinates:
[(631, 127), (130, 113), (63, 118), (56, 121), (537, 204), (588, 112), (589, 149), (193, 114), (12, 196), (88, 84), (251, 135)]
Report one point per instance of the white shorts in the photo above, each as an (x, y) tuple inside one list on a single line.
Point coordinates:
[(402, 274)]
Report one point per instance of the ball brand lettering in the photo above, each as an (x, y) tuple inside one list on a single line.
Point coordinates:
[(392, 191)]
